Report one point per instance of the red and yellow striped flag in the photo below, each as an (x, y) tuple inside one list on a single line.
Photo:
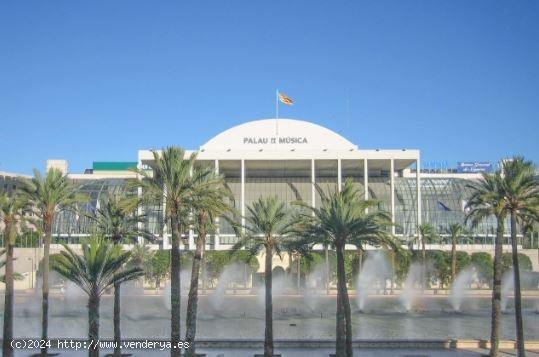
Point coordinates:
[(285, 99)]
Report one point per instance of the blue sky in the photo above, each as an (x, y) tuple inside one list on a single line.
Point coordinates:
[(97, 80)]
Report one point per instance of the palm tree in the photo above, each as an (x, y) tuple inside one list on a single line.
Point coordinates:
[(487, 200), (209, 201), (268, 222), (117, 219), (49, 195), (11, 208), (171, 182), (141, 256), (520, 190), (343, 217), (455, 230), (298, 248), (98, 268), (427, 234), (16, 276)]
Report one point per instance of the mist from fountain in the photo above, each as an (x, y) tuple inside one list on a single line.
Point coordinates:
[(279, 285), (458, 289), (373, 275), (313, 287), (185, 283), (411, 287), (507, 287), (233, 275)]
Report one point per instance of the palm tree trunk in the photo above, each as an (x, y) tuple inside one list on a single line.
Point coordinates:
[(496, 290), (424, 263), (518, 297), (203, 268), (116, 320), (175, 287), (45, 287), (341, 333), (299, 274), (268, 335), (326, 252), (93, 324), (347, 310), (453, 259), (7, 349), (192, 302), (392, 271)]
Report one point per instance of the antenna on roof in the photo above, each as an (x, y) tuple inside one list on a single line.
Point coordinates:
[(348, 100)]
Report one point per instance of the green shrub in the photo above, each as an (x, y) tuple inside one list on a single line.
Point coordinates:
[(217, 260), (463, 261), (159, 266), (441, 265), (524, 262), (483, 264), (312, 260)]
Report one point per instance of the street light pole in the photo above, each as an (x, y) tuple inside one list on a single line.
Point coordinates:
[(31, 272)]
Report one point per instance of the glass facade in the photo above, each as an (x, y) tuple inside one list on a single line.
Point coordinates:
[(443, 199)]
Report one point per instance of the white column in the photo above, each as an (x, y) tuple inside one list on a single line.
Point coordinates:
[(140, 225), (339, 175), (313, 180), (392, 185), (165, 228), (191, 240), (242, 192), (366, 179), (418, 188), (216, 238)]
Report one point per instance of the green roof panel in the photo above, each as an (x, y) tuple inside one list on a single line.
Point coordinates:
[(113, 165)]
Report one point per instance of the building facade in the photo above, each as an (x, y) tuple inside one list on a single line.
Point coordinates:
[(287, 158)]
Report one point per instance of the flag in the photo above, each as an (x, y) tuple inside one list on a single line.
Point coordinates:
[(443, 207), (285, 99)]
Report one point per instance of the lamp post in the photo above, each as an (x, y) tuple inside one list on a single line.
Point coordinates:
[(31, 272)]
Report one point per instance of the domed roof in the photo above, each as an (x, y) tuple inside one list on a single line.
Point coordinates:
[(280, 134)]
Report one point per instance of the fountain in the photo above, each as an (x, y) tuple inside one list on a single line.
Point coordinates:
[(410, 287), (185, 283), (507, 287), (373, 275), (314, 284), (461, 283), (279, 285), (234, 274)]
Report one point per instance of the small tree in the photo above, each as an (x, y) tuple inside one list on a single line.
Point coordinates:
[(98, 268), (171, 182), (463, 261), (141, 257), (209, 201), (268, 223), (342, 218), (487, 200), (117, 220), (524, 262), (427, 234), (482, 263), (519, 188), (11, 214), (159, 267), (49, 195), (456, 231), (441, 264)]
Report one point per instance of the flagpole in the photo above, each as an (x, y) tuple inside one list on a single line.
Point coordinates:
[(277, 112)]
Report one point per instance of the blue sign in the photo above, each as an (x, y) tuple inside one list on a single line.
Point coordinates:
[(467, 167)]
